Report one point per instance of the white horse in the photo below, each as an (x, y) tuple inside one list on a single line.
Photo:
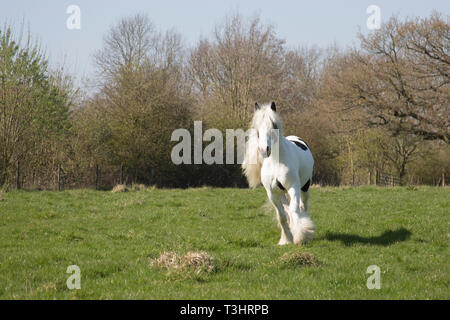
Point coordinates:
[(284, 166)]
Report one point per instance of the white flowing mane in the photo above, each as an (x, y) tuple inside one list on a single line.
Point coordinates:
[(252, 163)]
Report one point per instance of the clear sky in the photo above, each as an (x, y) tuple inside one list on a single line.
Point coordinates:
[(311, 22)]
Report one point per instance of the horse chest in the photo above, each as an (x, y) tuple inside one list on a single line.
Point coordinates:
[(272, 173)]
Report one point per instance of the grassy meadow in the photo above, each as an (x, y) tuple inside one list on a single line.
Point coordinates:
[(115, 239)]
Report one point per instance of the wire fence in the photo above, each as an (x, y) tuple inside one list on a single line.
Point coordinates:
[(104, 177), (387, 179), (58, 177)]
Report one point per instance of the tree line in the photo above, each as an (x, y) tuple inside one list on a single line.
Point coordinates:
[(381, 106)]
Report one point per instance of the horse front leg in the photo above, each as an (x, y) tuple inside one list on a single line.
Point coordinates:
[(282, 217), (301, 224)]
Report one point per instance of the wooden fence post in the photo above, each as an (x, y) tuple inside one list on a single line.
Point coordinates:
[(96, 176), (443, 179), (18, 175), (59, 177), (121, 174)]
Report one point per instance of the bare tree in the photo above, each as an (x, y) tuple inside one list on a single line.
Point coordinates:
[(401, 152), (134, 43), (243, 63), (405, 84)]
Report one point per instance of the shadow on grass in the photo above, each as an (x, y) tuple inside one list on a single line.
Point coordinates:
[(385, 239)]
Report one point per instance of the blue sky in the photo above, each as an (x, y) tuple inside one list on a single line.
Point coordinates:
[(317, 22)]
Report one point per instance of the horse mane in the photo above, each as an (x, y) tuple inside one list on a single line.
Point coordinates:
[(253, 160)]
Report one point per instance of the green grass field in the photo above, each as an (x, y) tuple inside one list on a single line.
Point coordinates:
[(113, 237)]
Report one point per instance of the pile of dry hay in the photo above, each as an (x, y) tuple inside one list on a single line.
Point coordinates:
[(133, 187), (299, 259), (199, 262), (120, 188)]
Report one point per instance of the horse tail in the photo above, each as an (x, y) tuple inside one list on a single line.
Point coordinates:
[(252, 161), (305, 230), (302, 227)]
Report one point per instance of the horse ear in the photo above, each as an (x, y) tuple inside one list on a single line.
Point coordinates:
[(273, 106), (257, 107)]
